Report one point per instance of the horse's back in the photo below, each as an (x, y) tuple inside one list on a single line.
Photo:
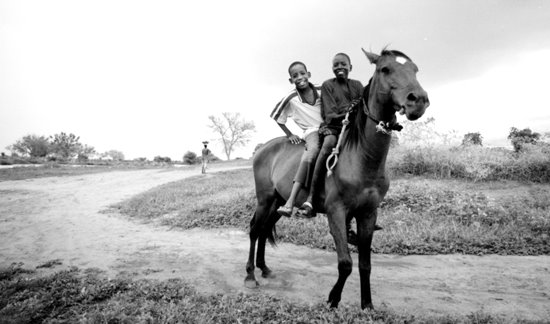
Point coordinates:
[(275, 165)]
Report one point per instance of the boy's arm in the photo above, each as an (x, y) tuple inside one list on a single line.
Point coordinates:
[(294, 139)]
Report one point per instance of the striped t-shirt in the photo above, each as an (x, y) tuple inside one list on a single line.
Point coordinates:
[(306, 116)]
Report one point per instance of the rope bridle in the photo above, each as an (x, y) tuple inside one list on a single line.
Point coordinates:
[(383, 127)]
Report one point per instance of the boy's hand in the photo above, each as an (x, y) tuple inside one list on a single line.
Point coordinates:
[(354, 103), (294, 139)]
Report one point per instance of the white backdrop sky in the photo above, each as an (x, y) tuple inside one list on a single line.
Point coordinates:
[(142, 77)]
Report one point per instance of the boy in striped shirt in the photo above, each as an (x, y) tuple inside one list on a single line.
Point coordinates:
[(303, 106)]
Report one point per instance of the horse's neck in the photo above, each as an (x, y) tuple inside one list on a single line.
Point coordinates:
[(373, 147)]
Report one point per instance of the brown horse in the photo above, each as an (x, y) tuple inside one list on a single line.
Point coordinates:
[(358, 182)]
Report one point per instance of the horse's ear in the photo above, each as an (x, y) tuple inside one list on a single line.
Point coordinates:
[(371, 56)]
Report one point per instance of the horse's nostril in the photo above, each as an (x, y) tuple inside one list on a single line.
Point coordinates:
[(412, 97)]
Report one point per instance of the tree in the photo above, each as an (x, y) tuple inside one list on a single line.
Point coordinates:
[(472, 139), (66, 146), (518, 138), (190, 158), (31, 145), (115, 155), (85, 152), (234, 131)]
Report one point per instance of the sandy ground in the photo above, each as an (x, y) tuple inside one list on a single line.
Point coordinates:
[(59, 218)]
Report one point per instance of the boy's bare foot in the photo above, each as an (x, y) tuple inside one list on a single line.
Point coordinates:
[(285, 211), (306, 211)]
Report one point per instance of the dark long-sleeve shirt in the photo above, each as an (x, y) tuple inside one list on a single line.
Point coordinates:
[(336, 98)]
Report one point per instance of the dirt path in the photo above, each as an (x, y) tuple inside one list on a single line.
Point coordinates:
[(59, 218)]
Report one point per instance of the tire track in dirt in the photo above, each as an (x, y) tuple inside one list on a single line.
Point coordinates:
[(59, 218)]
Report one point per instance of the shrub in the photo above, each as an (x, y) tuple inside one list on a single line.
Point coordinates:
[(473, 162), (190, 158)]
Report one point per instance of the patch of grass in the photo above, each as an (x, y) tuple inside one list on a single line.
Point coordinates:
[(60, 170), (472, 162), (87, 297), (429, 217), (224, 199), (52, 169), (50, 264), (419, 216)]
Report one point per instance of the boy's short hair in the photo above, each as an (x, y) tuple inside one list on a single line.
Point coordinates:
[(296, 63), (345, 55)]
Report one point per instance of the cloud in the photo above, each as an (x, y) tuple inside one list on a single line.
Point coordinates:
[(507, 95)]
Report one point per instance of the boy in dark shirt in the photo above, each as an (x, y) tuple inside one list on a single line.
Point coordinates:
[(337, 95)]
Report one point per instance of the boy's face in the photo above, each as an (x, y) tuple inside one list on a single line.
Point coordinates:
[(341, 67), (299, 76)]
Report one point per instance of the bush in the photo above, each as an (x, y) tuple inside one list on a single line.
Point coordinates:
[(161, 159), (473, 163), (190, 158)]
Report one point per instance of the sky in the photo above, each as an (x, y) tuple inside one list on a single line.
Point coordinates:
[(142, 77)]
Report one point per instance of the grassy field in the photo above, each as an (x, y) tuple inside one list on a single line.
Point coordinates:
[(30, 171), (63, 170), (88, 297), (419, 215)]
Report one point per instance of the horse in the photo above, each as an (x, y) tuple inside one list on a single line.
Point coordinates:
[(357, 183)]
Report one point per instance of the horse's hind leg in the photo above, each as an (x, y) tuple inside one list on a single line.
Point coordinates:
[(338, 229), (250, 280), (257, 234), (266, 233), (365, 228)]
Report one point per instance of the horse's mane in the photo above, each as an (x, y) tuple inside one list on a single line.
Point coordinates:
[(358, 120)]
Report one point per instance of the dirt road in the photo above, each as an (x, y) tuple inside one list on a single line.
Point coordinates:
[(59, 218)]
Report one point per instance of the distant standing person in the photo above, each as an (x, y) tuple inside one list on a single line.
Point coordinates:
[(205, 156)]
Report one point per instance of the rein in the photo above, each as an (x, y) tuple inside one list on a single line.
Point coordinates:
[(385, 128), (336, 150)]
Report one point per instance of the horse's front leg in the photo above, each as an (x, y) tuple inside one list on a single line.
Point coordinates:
[(260, 257), (337, 222), (365, 230)]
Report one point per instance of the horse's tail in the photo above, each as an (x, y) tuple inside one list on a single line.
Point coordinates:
[(257, 227), (272, 235)]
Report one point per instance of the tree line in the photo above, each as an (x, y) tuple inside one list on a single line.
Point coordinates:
[(61, 146), (231, 130)]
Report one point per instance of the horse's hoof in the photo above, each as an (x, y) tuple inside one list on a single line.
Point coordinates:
[(333, 300), (332, 304), (368, 307), (268, 275), (251, 283), (266, 272)]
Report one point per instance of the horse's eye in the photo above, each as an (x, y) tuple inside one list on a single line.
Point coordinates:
[(385, 70)]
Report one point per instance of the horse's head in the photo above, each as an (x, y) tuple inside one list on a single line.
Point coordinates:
[(394, 84)]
